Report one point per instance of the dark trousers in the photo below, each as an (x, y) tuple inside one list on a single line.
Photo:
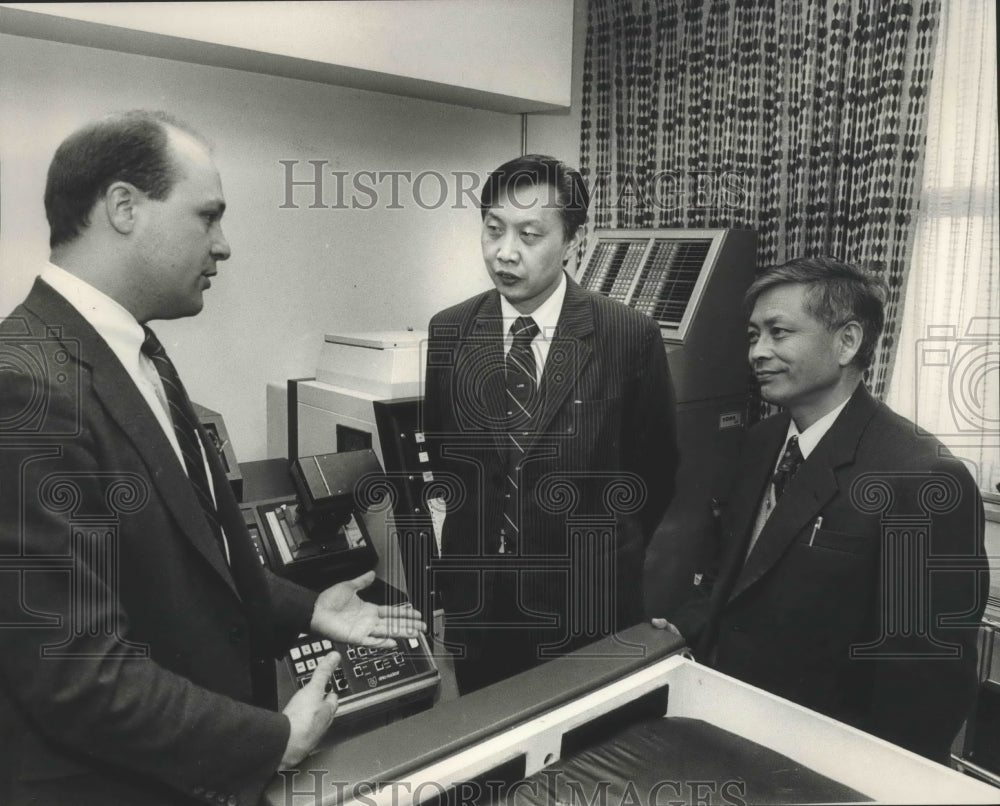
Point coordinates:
[(494, 651)]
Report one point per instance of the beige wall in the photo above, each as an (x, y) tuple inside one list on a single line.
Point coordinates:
[(558, 133), (295, 274), (496, 50)]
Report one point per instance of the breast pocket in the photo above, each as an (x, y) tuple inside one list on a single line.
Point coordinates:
[(833, 540), (591, 417)]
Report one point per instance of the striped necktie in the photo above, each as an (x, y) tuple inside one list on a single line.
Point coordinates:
[(185, 429), (522, 405)]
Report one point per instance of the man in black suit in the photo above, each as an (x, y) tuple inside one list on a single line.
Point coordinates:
[(851, 575), (550, 414), (138, 630)]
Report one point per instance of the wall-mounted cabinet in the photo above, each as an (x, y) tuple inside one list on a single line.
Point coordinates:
[(503, 55)]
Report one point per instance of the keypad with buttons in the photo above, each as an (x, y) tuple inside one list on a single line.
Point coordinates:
[(364, 670)]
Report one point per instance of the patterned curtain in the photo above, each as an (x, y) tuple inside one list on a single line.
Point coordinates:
[(801, 119)]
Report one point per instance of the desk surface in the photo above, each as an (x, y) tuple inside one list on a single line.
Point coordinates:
[(393, 752)]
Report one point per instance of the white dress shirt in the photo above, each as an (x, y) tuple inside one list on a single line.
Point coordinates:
[(808, 440), (546, 317)]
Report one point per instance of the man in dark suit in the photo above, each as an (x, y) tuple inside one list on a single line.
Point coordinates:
[(138, 630), (851, 574), (550, 413)]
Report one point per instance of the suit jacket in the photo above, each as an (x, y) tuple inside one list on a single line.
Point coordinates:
[(597, 475), (869, 615), (136, 666)]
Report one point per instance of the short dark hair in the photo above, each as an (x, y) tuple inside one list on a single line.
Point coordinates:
[(128, 146), (538, 169), (837, 293)]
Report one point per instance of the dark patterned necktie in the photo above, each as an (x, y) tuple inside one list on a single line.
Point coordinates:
[(791, 461), (185, 429), (522, 405), (522, 388)]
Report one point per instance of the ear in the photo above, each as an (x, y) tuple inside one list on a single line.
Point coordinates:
[(572, 245), (120, 202), (850, 337)]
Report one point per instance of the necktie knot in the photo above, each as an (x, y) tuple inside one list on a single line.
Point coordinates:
[(791, 461), (151, 346), (524, 330)]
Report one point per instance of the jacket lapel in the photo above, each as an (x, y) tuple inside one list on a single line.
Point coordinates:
[(812, 488), (568, 355), (127, 407), (485, 365)]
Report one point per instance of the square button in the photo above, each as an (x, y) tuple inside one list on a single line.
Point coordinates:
[(295, 652), (300, 667), (311, 664)]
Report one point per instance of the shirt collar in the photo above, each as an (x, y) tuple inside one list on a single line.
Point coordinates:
[(547, 314), (809, 439), (114, 324)]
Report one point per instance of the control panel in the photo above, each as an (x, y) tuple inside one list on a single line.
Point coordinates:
[(368, 677), (318, 538)]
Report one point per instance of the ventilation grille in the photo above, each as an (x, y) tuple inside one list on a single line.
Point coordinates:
[(657, 272)]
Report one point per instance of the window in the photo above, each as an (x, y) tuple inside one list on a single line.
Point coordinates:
[(947, 371)]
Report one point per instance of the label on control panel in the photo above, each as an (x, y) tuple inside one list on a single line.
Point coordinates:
[(731, 419)]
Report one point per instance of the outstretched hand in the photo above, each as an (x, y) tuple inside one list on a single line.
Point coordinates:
[(342, 615)]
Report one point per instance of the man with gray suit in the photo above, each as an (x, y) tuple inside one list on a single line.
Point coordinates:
[(549, 411), (138, 630)]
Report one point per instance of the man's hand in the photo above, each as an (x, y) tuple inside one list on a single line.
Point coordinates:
[(342, 615), (310, 712), (663, 624)]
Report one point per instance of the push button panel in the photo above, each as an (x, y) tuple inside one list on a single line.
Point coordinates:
[(365, 671)]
